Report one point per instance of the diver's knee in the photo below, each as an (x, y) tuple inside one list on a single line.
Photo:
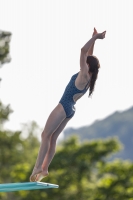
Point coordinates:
[(46, 135), (53, 139)]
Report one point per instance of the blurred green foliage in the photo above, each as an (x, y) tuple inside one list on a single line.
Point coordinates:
[(5, 111), (80, 169), (5, 38)]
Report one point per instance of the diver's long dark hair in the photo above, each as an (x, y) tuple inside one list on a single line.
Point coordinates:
[(94, 69)]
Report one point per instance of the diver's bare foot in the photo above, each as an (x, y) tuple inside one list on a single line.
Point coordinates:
[(34, 174), (42, 175)]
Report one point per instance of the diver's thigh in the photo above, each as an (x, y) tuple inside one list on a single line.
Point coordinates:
[(60, 129), (54, 120)]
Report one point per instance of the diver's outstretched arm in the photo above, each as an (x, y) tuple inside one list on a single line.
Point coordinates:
[(86, 48), (90, 51)]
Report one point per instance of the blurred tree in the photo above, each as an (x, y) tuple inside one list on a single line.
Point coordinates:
[(17, 154), (5, 111), (5, 38), (115, 181)]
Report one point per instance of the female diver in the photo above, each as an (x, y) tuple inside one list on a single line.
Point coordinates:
[(79, 84)]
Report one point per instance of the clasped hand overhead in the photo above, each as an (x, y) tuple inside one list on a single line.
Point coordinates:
[(98, 35)]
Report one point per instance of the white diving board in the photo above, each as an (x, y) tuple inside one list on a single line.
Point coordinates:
[(10, 187)]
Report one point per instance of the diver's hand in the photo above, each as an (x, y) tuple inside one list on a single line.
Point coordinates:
[(100, 35)]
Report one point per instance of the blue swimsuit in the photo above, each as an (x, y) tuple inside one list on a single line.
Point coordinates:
[(67, 99)]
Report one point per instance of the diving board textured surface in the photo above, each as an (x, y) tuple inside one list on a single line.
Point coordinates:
[(10, 187)]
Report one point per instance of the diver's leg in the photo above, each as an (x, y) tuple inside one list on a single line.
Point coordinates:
[(55, 119), (50, 154)]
